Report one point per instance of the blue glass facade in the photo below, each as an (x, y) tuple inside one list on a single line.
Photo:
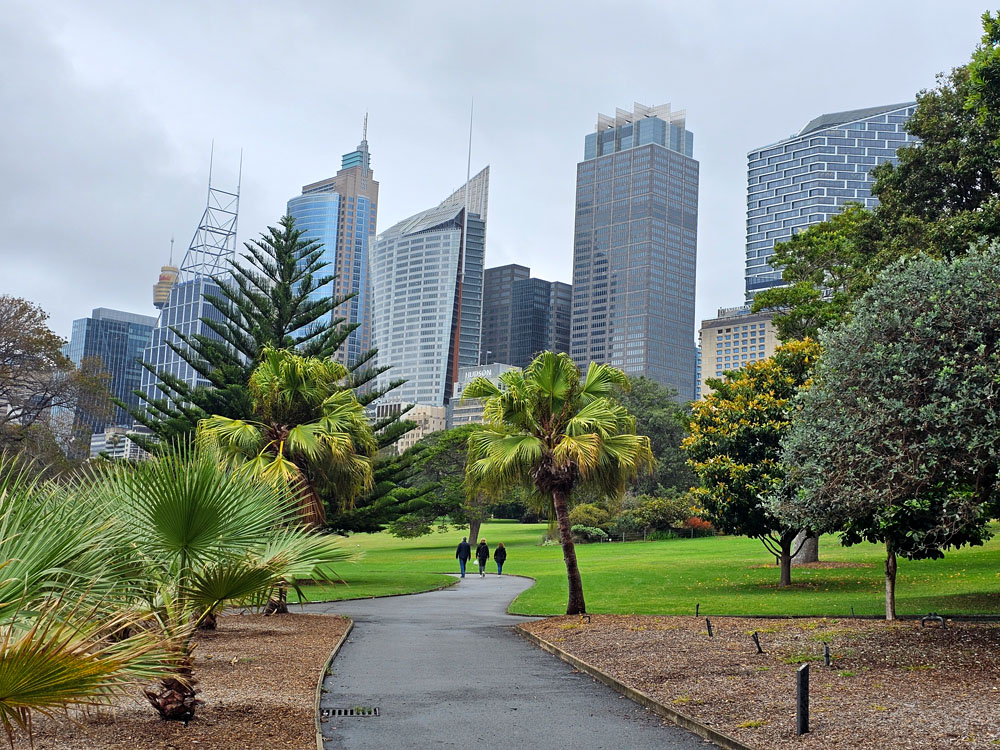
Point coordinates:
[(117, 339), (341, 213), (806, 179), (635, 246)]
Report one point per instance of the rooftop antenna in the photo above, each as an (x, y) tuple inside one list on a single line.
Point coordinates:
[(468, 176), (171, 249), (364, 130)]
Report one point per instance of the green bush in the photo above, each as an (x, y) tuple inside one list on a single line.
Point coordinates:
[(585, 534), (588, 514), (649, 513)]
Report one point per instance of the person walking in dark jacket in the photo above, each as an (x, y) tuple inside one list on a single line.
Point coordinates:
[(464, 554), (482, 557), (500, 557)]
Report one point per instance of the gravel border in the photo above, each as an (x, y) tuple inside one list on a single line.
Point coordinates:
[(682, 720)]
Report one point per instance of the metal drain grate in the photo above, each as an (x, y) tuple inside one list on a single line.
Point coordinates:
[(356, 711)]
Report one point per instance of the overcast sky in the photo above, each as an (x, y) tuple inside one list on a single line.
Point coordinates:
[(108, 110)]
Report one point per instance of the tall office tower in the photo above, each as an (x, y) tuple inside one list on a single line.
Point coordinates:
[(117, 339), (523, 316), (634, 247), (427, 289), (340, 212), (809, 177), (212, 249)]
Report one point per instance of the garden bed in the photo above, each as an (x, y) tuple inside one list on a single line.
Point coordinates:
[(891, 684), (258, 680)]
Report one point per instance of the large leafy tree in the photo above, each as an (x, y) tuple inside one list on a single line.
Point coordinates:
[(734, 446), (308, 432), (942, 197), (663, 420), (37, 381), (898, 441), (549, 430)]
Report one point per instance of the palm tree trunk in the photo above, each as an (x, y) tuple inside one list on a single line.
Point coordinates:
[(575, 605), (176, 698)]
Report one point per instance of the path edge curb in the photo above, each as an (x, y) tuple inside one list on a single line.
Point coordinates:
[(637, 696), (322, 676)]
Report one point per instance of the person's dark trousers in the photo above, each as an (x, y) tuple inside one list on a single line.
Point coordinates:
[(482, 570), (499, 569), (461, 564)]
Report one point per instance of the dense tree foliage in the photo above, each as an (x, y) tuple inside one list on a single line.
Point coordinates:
[(549, 430), (898, 441), (735, 446), (942, 198), (662, 419)]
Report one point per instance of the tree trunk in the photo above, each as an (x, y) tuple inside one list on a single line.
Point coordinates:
[(176, 698), (208, 621), (474, 525), (785, 560), (575, 605), (890, 581), (808, 546), (278, 605)]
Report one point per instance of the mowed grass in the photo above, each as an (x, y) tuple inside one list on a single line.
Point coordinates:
[(725, 575)]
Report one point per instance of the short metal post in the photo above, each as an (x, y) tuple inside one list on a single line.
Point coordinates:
[(802, 700), (696, 608), (756, 640), (826, 654), (709, 624)]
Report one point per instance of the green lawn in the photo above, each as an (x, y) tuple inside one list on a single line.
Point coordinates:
[(723, 574)]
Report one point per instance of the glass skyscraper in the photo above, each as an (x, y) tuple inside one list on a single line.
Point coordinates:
[(635, 245), (809, 177), (523, 316), (340, 212), (427, 285), (117, 339)]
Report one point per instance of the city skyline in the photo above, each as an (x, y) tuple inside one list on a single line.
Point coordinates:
[(116, 109)]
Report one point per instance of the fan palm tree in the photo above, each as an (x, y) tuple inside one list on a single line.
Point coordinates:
[(63, 642), (548, 430), (200, 535), (310, 431)]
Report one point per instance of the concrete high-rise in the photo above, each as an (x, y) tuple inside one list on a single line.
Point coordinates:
[(118, 340), (635, 245), (427, 292), (731, 340), (523, 316), (810, 176), (340, 212)]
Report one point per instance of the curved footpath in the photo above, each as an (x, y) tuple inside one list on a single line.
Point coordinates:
[(445, 669)]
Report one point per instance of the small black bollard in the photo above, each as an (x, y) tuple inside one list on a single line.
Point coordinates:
[(709, 624), (756, 640), (826, 655), (802, 700), (853, 616), (696, 608)]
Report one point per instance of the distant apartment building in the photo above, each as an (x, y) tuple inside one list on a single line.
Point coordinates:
[(809, 177), (116, 443), (428, 419), (427, 290), (635, 245), (340, 212), (733, 339), (523, 316), (470, 410), (118, 340)]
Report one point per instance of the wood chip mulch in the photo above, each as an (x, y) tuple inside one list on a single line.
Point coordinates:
[(892, 685), (258, 680)]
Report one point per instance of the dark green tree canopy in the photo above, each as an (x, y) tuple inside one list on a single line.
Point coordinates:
[(899, 438)]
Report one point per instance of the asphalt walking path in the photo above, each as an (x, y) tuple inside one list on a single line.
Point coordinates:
[(445, 669)]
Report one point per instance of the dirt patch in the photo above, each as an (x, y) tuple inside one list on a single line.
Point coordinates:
[(891, 684), (258, 680)]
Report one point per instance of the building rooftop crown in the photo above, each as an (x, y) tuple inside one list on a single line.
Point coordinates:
[(623, 117)]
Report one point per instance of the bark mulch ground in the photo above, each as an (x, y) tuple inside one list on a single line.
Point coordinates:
[(258, 680), (892, 685)]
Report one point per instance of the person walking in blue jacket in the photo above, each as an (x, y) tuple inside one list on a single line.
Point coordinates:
[(464, 554)]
